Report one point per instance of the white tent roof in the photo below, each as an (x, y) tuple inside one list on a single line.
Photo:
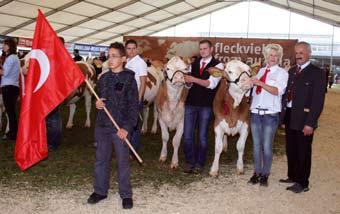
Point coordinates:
[(101, 21)]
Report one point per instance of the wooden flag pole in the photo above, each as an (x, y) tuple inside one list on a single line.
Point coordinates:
[(114, 122)]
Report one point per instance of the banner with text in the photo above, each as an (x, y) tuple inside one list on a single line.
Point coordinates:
[(225, 49)]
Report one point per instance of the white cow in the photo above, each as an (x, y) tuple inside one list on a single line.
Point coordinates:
[(170, 105), (231, 110)]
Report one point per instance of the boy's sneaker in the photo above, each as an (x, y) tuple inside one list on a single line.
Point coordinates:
[(254, 179), (127, 203), (95, 198), (264, 180)]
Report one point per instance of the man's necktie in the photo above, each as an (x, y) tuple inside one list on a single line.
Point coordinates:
[(202, 68), (262, 79), (292, 84)]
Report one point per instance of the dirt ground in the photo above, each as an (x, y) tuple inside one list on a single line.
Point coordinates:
[(229, 193)]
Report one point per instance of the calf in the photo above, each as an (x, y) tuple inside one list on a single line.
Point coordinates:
[(170, 106), (231, 111)]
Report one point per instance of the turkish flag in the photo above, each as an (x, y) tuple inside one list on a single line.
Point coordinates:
[(52, 75)]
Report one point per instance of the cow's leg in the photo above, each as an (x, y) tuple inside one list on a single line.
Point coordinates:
[(225, 143), (175, 143), (1, 111), (88, 99), (218, 150), (240, 147), (145, 120), (165, 138), (7, 124), (72, 108), (155, 119)]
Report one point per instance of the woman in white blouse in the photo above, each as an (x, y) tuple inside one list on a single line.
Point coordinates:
[(270, 84)]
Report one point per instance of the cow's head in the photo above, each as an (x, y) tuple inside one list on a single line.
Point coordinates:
[(238, 76), (175, 70)]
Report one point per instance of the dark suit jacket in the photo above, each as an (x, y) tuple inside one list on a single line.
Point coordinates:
[(308, 97)]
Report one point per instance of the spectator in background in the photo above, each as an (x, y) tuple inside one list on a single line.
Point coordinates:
[(98, 65), (10, 86), (102, 56), (335, 78), (331, 79), (327, 73), (77, 57)]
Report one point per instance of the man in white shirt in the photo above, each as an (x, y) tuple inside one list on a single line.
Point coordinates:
[(137, 65)]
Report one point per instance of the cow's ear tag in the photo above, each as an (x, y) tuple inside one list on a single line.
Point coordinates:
[(217, 74)]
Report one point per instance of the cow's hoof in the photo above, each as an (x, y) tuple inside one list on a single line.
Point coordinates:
[(174, 166), (213, 174), (240, 171), (69, 126), (87, 126), (162, 159), (143, 131), (153, 131)]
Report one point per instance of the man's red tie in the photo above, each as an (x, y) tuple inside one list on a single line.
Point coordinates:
[(202, 68), (262, 79)]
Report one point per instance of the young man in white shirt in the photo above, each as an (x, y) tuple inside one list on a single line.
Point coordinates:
[(198, 107), (137, 65)]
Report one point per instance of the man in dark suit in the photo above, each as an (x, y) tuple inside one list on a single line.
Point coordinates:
[(302, 105)]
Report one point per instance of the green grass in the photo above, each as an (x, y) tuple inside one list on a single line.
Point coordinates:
[(71, 166)]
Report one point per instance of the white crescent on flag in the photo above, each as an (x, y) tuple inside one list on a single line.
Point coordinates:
[(44, 64)]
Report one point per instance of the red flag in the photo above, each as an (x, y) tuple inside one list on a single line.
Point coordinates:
[(52, 75)]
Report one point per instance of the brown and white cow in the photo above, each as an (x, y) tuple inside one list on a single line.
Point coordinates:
[(170, 105), (231, 111), (153, 82), (82, 91)]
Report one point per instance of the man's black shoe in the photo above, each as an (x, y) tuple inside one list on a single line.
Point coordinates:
[(127, 203), (264, 180), (297, 188), (188, 169), (254, 179), (95, 198), (198, 170), (287, 181)]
